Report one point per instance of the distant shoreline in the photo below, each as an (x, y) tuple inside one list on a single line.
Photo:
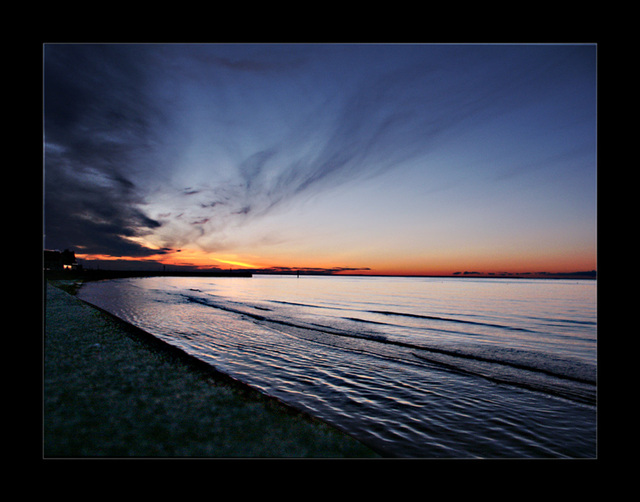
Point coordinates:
[(96, 275), (591, 275)]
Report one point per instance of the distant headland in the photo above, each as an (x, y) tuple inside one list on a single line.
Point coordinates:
[(63, 265)]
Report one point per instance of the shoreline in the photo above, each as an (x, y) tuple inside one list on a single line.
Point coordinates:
[(114, 390), (97, 275)]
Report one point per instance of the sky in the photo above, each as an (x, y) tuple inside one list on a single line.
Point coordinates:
[(415, 159)]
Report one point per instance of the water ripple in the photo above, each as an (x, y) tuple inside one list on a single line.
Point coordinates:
[(479, 389)]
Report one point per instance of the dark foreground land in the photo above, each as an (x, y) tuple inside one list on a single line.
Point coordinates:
[(111, 390)]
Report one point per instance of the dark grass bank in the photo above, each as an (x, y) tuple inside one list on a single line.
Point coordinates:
[(112, 390)]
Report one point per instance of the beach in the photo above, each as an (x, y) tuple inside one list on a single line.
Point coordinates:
[(112, 390)]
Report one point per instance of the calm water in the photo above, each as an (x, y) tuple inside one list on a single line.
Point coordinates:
[(415, 367)]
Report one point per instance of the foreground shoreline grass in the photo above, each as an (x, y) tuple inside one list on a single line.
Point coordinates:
[(112, 390)]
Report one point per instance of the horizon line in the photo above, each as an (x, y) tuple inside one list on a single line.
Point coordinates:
[(143, 265)]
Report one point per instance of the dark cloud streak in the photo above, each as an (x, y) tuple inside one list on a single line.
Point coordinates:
[(98, 123)]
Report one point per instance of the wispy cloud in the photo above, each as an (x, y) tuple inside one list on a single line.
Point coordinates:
[(385, 116), (269, 126)]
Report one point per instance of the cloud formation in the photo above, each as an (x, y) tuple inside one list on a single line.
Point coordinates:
[(184, 143), (386, 114), (99, 132)]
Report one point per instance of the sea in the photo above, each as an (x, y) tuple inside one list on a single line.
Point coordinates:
[(414, 367)]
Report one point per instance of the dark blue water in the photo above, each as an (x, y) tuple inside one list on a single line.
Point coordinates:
[(415, 367)]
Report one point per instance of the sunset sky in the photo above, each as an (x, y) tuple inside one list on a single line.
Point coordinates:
[(367, 158)]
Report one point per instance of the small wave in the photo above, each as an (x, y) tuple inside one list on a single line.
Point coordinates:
[(533, 367), (296, 304), (447, 319), (404, 314), (309, 305), (451, 359), (573, 321), (366, 321), (574, 389)]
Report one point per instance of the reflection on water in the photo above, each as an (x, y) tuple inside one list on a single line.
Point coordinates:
[(413, 366)]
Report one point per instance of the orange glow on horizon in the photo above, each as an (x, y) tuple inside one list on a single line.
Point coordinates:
[(186, 258), (409, 266), (238, 263)]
